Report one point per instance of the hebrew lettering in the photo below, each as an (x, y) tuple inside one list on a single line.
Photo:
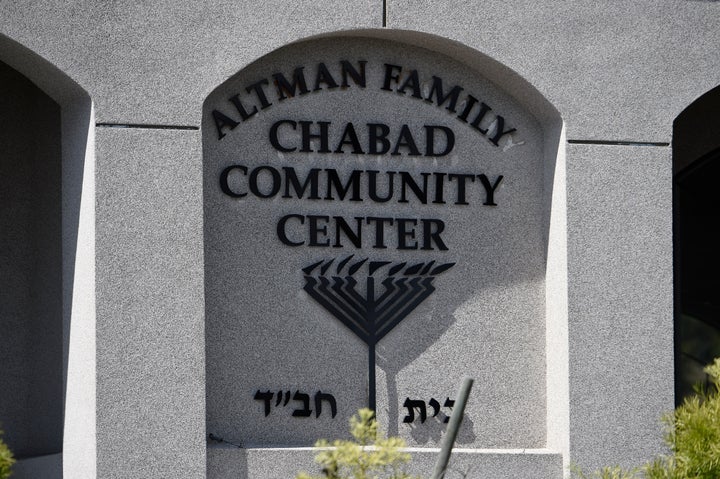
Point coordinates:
[(419, 404), (282, 399)]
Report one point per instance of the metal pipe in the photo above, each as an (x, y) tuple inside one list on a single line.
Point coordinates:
[(453, 428), (371, 377)]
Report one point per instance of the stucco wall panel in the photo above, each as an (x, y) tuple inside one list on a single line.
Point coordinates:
[(616, 70)]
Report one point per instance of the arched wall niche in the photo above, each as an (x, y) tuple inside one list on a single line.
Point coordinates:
[(693, 135), (696, 171), (267, 332), (48, 321)]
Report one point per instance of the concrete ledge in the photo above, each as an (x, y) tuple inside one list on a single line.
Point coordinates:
[(41, 467), (226, 462)]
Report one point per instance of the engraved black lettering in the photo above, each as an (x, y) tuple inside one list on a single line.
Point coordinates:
[(413, 82), (461, 186), (318, 230), (307, 136), (440, 99), (379, 230), (490, 189), (225, 187), (469, 104), (406, 140), (439, 188), (311, 180), (481, 114), (355, 236), (430, 140), (349, 137), (324, 76), (334, 182), (375, 137), (274, 182), (404, 234), (499, 132), (285, 89), (235, 100), (223, 121), (348, 69), (390, 76), (432, 228), (372, 186), (282, 234), (273, 134), (260, 92), (406, 180)]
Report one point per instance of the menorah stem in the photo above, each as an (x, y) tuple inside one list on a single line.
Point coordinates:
[(371, 376), (370, 295)]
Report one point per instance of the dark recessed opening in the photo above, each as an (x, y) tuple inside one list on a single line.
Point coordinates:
[(31, 326), (696, 164)]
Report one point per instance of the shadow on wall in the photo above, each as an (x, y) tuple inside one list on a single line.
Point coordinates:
[(44, 236), (249, 311), (31, 409)]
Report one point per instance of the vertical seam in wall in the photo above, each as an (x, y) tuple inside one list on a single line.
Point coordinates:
[(384, 13)]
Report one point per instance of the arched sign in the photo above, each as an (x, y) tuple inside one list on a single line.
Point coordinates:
[(375, 229)]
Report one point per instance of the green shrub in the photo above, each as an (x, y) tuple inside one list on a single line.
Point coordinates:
[(368, 456), (610, 472), (693, 436), (6, 459)]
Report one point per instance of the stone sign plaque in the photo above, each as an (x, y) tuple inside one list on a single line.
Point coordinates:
[(374, 231)]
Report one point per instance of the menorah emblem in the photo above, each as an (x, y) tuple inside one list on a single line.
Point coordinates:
[(373, 315)]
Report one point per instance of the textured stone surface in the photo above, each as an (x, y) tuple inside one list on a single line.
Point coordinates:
[(232, 463), (485, 318), (155, 62), (620, 302), (556, 324), (616, 70), (79, 312), (150, 391)]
